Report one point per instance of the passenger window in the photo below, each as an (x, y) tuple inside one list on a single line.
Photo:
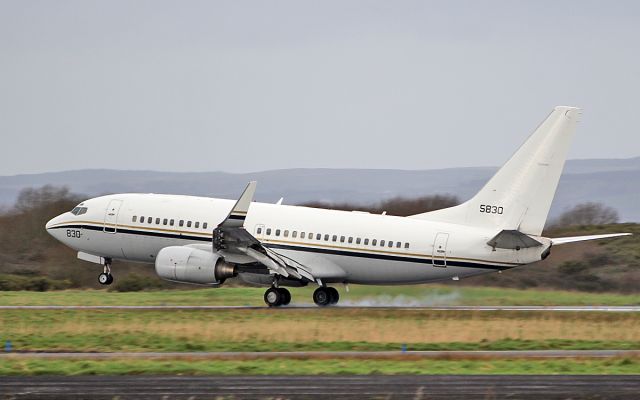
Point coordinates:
[(171, 222), (374, 242), (341, 239), (286, 233), (357, 240), (165, 221), (259, 231), (301, 235), (406, 245), (382, 243), (294, 234), (350, 239), (318, 236), (181, 223), (142, 220), (268, 231), (326, 238), (149, 220), (277, 232), (134, 218), (366, 242), (204, 225), (334, 238), (398, 244), (197, 225), (390, 243), (188, 224), (157, 221)]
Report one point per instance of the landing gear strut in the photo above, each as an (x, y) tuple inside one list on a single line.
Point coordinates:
[(325, 296), (105, 278), (277, 296)]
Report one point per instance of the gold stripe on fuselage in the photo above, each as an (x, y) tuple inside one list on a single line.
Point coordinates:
[(276, 241)]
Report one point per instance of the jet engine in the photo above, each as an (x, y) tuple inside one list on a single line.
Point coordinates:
[(191, 265)]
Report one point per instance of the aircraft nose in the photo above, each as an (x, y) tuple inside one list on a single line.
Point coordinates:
[(53, 221)]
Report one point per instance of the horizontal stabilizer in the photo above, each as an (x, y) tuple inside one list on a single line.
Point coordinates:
[(513, 239), (572, 239)]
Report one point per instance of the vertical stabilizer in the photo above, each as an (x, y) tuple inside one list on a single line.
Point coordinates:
[(519, 195)]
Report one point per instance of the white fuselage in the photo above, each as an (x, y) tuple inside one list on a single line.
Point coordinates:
[(344, 251)]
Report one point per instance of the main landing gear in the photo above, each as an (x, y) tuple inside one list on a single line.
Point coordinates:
[(105, 278), (326, 296), (279, 296)]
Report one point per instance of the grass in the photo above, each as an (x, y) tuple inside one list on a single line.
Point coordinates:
[(425, 295), (314, 329), (9, 366), (331, 329)]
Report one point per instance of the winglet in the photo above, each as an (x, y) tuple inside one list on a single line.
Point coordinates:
[(239, 211)]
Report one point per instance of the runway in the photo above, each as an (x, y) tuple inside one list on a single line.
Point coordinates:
[(313, 307), (420, 387), (367, 355)]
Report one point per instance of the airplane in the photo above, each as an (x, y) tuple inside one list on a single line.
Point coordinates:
[(205, 241)]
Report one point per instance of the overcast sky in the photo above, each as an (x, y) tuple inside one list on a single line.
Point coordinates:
[(255, 85)]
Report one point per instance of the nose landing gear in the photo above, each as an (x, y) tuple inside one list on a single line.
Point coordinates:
[(105, 278)]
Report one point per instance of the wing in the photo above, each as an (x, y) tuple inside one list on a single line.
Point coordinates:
[(572, 239), (235, 244)]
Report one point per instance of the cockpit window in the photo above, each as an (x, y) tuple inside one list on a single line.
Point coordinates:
[(79, 210)]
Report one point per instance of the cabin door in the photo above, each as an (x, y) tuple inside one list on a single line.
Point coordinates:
[(111, 216), (440, 250)]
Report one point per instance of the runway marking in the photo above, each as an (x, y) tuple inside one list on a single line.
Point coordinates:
[(313, 307), (249, 355)]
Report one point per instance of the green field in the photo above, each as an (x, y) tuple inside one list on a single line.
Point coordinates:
[(316, 329), (317, 367), (425, 295)]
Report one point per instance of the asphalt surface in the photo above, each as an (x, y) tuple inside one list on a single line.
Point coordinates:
[(245, 355), (422, 387), (313, 307)]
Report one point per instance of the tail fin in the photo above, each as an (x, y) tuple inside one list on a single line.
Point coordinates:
[(520, 194)]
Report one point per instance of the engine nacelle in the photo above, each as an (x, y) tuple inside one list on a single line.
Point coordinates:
[(190, 265)]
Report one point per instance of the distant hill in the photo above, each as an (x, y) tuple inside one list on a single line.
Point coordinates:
[(614, 182)]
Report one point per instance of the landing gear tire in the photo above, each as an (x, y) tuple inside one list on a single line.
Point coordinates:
[(333, 293), (322, 296), (286, 296), (105, 278), (273, 297)]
